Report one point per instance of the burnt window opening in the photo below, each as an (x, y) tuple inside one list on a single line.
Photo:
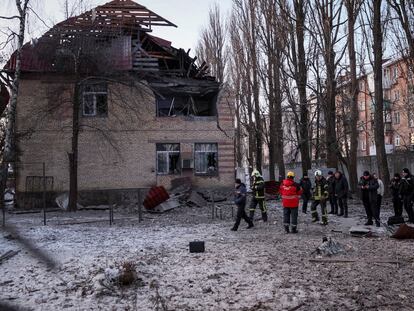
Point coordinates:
[(95, 99), (206, 159), (172, 105), (168, 159)]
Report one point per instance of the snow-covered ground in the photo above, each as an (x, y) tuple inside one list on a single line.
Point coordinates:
[(258, 269)]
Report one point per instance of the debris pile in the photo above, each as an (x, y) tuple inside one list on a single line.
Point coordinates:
[(329, 247)]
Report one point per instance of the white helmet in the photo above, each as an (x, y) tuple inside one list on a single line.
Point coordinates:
[(318, 173), (256, 173)]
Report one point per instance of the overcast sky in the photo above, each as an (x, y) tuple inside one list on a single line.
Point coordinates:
[(188, 15)]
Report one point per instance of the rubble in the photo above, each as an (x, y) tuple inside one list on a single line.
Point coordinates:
[(404, 232), (329, 247)]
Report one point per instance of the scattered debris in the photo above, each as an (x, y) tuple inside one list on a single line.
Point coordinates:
[(8, 255), (155, 197), (359, 231), (196, 199), (404, 232), (329, 247), (63, 201), (166, 206)]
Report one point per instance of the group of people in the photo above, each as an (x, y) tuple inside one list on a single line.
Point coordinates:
[(333, 189)]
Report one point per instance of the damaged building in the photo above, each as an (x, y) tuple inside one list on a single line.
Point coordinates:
[(147, 113)]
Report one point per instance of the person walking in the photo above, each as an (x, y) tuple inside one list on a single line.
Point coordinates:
[(331, 191), (258, 188), (290, 191), (396, 196), (407, 193), (380, 193), (306, 186), (369, 187), (341, 193), (240, 201), (320, 195)]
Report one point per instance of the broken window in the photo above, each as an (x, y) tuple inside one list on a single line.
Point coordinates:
[(95, 99), (205, 159), (186, 105), (168, 159)]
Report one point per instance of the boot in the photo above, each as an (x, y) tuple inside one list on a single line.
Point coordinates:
[(369, 223), (346, 212), (377, 223), (287, 229), (341, 213), (294, 229), (250, 225), (234, 229), (251, 215), (264, 217)]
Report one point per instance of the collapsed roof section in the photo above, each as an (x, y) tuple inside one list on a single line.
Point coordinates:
[(120, 31)]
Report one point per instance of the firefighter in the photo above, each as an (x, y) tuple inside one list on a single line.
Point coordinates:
[(290, 192), (258, 188), (320, 195)]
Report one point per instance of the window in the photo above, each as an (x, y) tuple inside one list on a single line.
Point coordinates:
[(205, 159), (412, 139), (397, 117), (411, 119), (362, 145), (95, 99), (397, 140), (361, 106), (361, 86), (395, 73), (168, 159), (396, 95), (387, 116), (171, 105)]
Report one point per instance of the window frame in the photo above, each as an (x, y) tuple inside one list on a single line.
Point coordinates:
[(95, 101), (397, 118), (216, 172), (397, 140), (167, 153)]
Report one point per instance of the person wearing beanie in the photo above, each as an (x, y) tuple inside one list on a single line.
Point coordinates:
[(369, 190), (240, 201), (306, 186), (333, 202), (290, 192), (407, 193)]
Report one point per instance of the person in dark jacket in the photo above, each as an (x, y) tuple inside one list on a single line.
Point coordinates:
[(306, 186), (369, 187), (240, 201), (333, 202), (258, 188), (407, 193), (341, 193), (396, 196)]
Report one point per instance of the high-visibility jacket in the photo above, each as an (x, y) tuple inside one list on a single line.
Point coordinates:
[(259, 188), (320, 192), (290, 192)]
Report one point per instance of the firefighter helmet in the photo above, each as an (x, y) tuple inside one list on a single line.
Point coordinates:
[(256, 173), (318, 173), (290, 174)]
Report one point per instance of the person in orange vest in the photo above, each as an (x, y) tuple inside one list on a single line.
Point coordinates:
[(290, 192)]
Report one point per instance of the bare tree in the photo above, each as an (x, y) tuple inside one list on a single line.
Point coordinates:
[(211, 47)]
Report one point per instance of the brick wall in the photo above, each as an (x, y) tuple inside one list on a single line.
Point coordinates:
[(118, 151)]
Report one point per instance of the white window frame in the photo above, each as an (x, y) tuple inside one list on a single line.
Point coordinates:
[(361, 106), (363, 145), (207, 173), (395, 72), (410, 119), (94, 93), (397, 117), (167, 153), (396, 95), (397, 140)]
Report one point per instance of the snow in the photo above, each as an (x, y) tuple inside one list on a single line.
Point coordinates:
[(258, 269)]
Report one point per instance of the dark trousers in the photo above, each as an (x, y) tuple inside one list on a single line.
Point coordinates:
[(262, 206), (408, 206), (398, 206), (241, 214), (334, 204), (290, 216), (305, 203), (379, 202), (315, 216), (343, 206), (371, 209)]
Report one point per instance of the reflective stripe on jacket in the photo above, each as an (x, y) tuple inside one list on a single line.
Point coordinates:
[(290, 192)]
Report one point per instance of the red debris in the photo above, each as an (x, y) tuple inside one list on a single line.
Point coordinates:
[(155, 197)]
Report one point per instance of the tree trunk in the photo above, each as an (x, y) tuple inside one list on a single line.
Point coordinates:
[(73, 155), (352, 168), (301, 81), (278, 117), (383, 171)]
